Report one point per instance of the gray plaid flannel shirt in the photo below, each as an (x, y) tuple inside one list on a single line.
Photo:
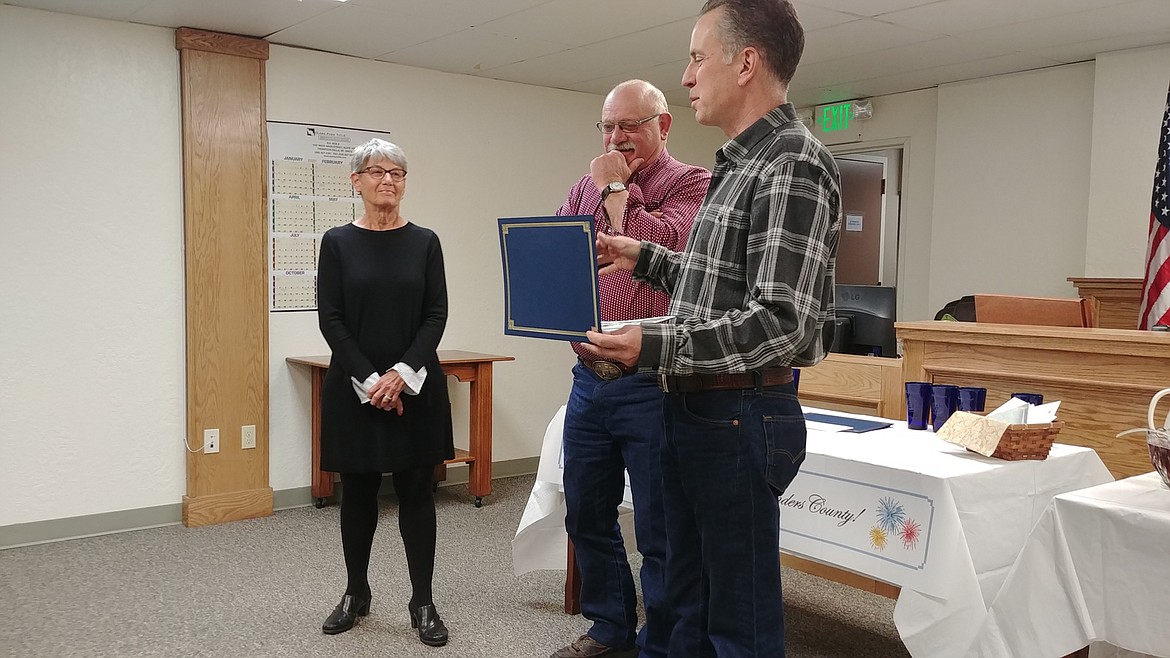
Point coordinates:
[(754, 287)]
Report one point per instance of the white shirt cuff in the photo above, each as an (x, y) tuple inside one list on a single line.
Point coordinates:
[(363, 388), (413, 380)]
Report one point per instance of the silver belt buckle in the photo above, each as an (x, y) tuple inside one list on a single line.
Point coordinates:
[(606, 370)]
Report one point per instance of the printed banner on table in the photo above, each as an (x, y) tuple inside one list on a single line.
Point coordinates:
[(873, 527)]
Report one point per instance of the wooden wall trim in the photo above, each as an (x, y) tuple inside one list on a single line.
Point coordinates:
[(226, 261), (217, 42)]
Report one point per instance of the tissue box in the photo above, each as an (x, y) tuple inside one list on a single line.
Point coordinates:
[(995, 438)]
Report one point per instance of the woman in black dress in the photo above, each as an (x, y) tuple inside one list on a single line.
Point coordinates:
[(382, 306)]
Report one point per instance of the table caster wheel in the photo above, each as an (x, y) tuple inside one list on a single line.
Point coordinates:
[(319, 503), (479, 501)]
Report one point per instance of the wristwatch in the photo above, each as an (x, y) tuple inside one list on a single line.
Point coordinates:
[(616, 186)]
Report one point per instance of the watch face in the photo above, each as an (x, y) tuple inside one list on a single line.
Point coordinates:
[(616, 187)]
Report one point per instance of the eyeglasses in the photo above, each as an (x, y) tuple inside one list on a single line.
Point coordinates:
[(378, 173), (626, 126)]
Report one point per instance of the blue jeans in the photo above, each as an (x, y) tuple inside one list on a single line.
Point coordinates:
[(611, 426), (727, 457)]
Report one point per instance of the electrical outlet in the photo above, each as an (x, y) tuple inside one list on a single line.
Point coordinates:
[(248, 436), (210, 441)]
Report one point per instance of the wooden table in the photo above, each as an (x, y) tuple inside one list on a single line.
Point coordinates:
[(472, 367)]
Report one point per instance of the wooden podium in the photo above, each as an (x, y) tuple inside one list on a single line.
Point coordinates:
[(1118, 300)]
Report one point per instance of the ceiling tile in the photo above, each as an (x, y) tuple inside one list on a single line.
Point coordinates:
[(578, 23), (813, 17), (867, 7), (916, 56), (590, 46), (363, 32), (1086, 50), (1132, 17), (667, 77), (257, 18), (471, 12), (960, 16), (560, 69), (858, 37), (118, 10), (657, 45), (471, 51), (932, 77)]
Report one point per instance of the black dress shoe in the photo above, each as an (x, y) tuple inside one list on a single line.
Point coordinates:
[(345, 614), (431, 630)]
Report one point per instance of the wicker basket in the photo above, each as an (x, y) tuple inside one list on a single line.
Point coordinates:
[(1027, 441)]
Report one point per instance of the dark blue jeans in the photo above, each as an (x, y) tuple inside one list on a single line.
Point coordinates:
[(727, 457), (611, 426)]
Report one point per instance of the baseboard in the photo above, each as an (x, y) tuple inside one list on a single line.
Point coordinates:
[(90, 525)]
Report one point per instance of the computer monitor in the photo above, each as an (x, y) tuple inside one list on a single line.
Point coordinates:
[(865, 320)]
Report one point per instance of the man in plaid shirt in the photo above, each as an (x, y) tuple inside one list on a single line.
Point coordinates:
[(613, 421), (753, 296)]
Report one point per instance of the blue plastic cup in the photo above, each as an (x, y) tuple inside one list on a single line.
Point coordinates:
[(944, 401), (917, 405), (1030, 398), (972, 398)]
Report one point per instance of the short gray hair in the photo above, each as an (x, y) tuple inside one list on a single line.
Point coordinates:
[(376, 149)]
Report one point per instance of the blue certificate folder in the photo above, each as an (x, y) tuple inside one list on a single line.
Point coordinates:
[(550, 277), (854, 424)]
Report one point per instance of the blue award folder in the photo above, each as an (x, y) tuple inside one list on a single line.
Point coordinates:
[(857, 425), (550, 277)]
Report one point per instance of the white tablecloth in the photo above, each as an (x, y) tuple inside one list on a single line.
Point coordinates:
[(1095, 568), (970, 515)]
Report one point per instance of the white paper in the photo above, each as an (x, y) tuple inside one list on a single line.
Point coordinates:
[(1017, 412), (609, 326)]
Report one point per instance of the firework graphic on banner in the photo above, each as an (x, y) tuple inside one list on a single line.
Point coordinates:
[(892, 521)]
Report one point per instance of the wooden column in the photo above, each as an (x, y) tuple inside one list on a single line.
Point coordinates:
[(225, 247)]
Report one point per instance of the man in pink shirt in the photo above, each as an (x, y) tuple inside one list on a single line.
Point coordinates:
[(613, 421)]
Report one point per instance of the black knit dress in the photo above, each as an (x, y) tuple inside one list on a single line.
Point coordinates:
[(381, 299)]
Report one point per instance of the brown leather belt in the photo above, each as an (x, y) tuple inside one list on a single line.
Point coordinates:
[(692, 383), (607, 370)]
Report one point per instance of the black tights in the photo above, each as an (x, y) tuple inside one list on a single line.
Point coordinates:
[(416, 522)]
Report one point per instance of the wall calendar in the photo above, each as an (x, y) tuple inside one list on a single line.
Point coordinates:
[(309, 192)]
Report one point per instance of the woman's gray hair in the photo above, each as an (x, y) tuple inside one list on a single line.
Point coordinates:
[(376, 149)]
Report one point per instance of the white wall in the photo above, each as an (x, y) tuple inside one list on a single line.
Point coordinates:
[(92, 397), (1011, 184), (478, 150), (1129, 98)]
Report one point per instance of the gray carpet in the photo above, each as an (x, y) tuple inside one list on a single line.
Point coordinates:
[(263, 587)]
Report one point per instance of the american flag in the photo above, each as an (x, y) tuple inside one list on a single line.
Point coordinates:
[(1156, 288)]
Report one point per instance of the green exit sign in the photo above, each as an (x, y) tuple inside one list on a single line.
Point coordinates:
[(833, 118)]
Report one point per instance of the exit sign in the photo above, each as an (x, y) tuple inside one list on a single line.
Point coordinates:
[(833, 118)]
